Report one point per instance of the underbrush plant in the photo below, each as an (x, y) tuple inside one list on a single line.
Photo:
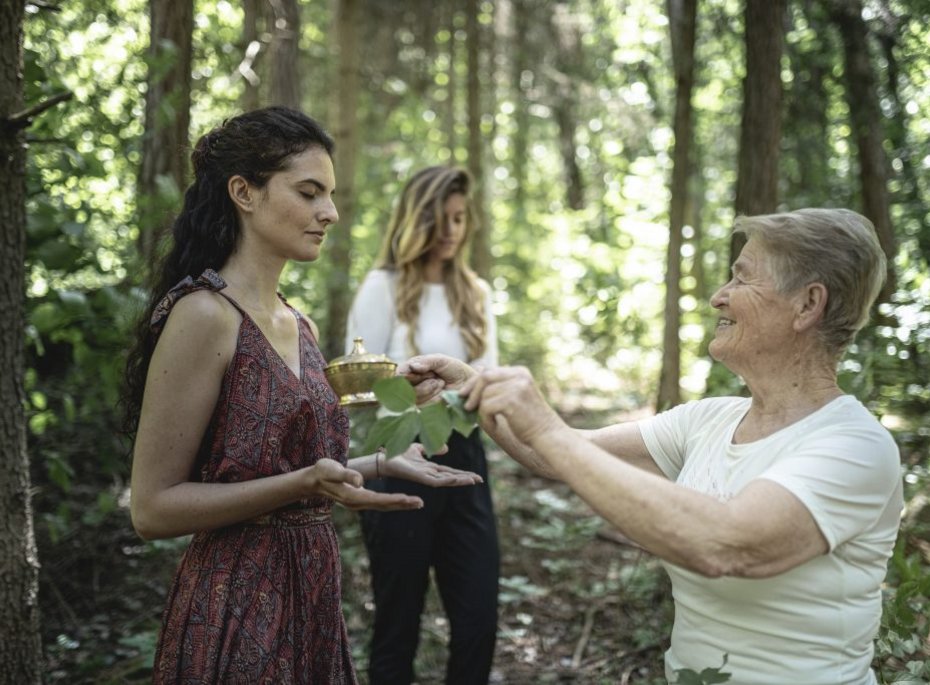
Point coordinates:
[(902, 650)]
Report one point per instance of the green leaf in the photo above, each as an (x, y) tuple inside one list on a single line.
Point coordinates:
[(380, 432), (436, 424), (47, 316), (687, 677), (453, 399), (463, 421), (406, 429), (395, 394)]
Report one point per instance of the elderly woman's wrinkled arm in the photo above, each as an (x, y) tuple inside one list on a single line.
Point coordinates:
[(762, 531)]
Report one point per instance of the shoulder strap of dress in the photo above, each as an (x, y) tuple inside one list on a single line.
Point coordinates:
[(208, 280)]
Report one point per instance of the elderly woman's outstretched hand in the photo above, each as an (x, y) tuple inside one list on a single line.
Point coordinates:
[(510, 392), (430, 374)]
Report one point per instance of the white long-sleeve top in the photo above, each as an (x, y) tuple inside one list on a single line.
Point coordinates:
[(374, 317)]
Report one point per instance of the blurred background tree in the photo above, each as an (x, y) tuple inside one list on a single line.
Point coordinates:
[(613, 144)]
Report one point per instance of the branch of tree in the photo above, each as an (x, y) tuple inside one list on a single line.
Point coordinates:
[(24, 118), (41, 5)]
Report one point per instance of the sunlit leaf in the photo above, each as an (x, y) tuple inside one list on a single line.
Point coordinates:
[(395, 394)]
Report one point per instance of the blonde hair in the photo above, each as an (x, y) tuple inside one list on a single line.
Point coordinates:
[(414, 229), (835, 247)]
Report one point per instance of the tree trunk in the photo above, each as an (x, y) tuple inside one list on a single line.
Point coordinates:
[(760, 130), (807, 121), (251, 49), (682, 15), (520, 64), (865, 118), (481, 243), (567, 42), (897, 134), (165, 143), (285, 54), (20, 646), (450, 117), (345, 116)]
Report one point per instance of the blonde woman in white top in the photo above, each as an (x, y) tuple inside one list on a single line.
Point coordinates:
[(421, 298)]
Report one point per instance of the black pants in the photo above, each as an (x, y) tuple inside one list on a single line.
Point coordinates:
[(455, 534)]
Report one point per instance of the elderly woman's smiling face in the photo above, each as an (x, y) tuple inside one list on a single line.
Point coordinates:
[(756, 321)]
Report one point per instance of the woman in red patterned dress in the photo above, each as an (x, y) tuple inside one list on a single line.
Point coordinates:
[(240, 440)]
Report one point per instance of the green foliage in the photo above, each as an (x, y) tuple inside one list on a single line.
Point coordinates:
[(707, 676), (433, 423), (577, 291), (906, 615)]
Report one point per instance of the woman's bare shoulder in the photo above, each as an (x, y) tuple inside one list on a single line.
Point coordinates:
[(203, 318)]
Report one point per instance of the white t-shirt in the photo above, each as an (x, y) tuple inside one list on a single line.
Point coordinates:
[(814, 624), (373, 317)]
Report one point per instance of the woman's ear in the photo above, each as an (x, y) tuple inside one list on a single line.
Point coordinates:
[(812, 303), (241, 193)]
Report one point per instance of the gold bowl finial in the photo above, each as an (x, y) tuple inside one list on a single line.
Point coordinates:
[(354, 375)]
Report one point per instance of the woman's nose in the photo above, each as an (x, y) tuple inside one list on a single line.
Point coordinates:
[(718, 299), (329, 214)]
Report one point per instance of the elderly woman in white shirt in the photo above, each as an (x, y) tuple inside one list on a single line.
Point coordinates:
[(422, 298), (774, 514)]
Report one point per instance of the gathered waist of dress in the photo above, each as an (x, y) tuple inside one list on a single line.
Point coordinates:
[(292, 517)]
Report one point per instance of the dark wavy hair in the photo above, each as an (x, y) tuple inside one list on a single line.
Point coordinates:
[(253, 145)]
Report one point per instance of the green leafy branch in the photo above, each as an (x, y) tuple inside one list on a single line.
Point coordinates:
[(433, 422)]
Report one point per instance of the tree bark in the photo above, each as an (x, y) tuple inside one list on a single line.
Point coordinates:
[(760, 130), (520, 64), (481, 243), (897, 134), (682, 17), (285, 54), (251, 49), (450, 113), (567, 41), (345, 116), (866, 120), (806, 115), (165, 143), (20, 646)]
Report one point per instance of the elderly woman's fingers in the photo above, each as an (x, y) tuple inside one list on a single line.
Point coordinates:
[(511, 393)]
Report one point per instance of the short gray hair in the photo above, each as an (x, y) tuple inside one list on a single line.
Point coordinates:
[(835, 247)]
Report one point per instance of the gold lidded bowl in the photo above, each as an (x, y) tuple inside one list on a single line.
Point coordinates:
[(354, 375)]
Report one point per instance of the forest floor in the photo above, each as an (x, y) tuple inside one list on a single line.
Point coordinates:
[(576, 604)]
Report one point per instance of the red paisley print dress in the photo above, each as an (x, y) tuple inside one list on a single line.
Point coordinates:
[(259, 602)]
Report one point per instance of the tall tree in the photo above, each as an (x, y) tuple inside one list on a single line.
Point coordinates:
[(807, 121), (520, 64), (566, 37), (760, 130), (167, 119), (285, 54), (481, 242), (866, 120), (450, 110), (682, 16), (251, 49), (345, 116), (20, 646)]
